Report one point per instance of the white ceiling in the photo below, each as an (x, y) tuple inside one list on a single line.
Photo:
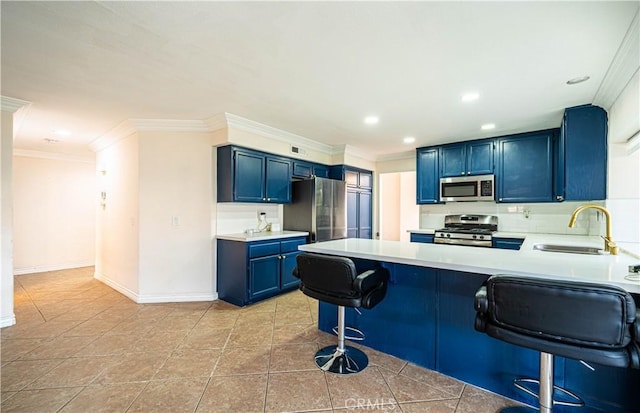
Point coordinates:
[(312, 69)]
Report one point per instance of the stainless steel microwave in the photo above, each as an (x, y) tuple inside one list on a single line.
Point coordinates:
[(467, 188)]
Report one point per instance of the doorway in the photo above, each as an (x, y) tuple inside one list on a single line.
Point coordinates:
[(398, 209)]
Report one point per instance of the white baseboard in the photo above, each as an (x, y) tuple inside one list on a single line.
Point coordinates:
[(152, 298), (56, 267), (7, 321)]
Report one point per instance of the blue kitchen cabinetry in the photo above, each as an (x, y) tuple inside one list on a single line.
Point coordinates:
[(359, 200), (306, 170), (427, 176), (470, 158), (524, 170), (507, 243), (255, 270), (423, 238), (245, 175), (427, 318), (581, 155)]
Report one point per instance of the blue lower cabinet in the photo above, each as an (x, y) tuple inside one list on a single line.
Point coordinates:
[(252, 271), (427, 318), (424, 238)]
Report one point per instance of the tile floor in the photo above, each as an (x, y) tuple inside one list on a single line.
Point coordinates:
[(80, 346)]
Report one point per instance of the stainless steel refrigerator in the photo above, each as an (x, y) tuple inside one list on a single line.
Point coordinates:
[(318, 206)]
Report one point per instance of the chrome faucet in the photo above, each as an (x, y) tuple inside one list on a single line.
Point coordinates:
[(609, 245)]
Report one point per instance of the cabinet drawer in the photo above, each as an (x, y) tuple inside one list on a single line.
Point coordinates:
[(291, 245), (424, 238), (264, 248)]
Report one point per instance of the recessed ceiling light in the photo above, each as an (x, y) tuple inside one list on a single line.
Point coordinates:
[(488, 126), (470, 97), (577, 80), (61, 132), (371, 120), (409, 139)]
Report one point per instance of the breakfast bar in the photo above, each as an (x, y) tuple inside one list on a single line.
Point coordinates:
[(427, 316)]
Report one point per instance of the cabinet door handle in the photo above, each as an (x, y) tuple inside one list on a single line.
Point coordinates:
[(468, 172), (462, 173), (560, 198), (500, 199)]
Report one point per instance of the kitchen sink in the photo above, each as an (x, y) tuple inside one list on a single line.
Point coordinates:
[(571, 249)]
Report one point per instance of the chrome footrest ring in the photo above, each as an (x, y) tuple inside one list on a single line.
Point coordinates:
[(577, 403), (352, 338)]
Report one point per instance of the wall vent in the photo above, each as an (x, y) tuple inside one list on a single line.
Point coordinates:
[(298, 150)]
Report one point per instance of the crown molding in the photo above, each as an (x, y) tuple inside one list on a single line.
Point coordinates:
[(9, 104), (217, 122), (237, 122), (169, 125), (633, 143), (398, 156), (353, 151), (124, 129), (57, 156), (624, 65)]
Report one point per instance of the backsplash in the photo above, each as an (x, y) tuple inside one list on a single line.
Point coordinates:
[(527, 218), (236, 217)]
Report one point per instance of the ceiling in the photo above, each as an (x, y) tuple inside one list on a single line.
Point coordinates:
[(314, 69)]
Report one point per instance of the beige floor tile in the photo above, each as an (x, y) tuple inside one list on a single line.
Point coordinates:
[(214, 319), (295, 334), (292, 357), (368, 385), (243, 360), (47, 329), (6, 395), (59, 347), (110, 345), (203, 337), (175, 396), (297, 391), (93, 327), (176, 323), (132, 325), (406, 389), (475, 400), (293, 317), (40, 401), (433, 378), (105, 398), (440, 406), (380, 359), (132, 367), (254, 319), (160, 341), (267, 306), (18, 374), (250, 336), (185, 363), (73, 372), (243, 393), (13, 349)]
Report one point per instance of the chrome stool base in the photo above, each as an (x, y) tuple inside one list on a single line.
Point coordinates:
[(349, 360)]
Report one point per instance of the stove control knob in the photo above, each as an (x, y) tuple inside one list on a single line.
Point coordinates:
[(481, 236), (475, 236), (448, 235)]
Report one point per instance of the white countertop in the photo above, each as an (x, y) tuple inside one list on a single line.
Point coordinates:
[(604, 268), (262, 236)]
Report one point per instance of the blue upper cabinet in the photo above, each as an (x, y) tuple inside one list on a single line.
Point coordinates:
[(427, 176), (581, 155), (471, 158), (245, 175), (306, 170), (359, 200), (525, 167)]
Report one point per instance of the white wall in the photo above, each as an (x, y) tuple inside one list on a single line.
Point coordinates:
[(390, 210), (410, 211), (54, 213), (623, 199), (117, 248), (175, 193), (7, 316)]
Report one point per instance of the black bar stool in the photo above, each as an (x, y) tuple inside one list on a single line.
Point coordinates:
[(335, 280), (591, 322)]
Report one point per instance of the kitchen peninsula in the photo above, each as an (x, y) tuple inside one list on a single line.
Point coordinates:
[(427, 316)]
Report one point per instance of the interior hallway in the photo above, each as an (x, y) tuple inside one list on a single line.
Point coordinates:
[(80, 346)]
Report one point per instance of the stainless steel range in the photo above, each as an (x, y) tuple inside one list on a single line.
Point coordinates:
[(474, 230)]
